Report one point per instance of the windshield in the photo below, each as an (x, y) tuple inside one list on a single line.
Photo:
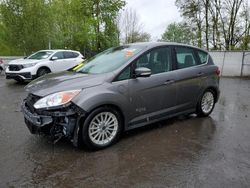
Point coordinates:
[(109, 60), (40, 55)]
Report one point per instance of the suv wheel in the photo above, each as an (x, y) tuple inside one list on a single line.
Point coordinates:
[(42, 71), (101, 128), (206, 104)]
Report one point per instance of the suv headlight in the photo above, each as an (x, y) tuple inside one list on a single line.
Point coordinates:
[(56, 99), (29, 65)]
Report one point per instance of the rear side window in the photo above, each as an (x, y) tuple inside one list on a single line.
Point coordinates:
[(75, 54), (185, 57), (68, 55), (203, 56)]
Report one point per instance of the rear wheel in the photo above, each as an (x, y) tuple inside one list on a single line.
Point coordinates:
[(101, 128), (42, 72), (206, 104)]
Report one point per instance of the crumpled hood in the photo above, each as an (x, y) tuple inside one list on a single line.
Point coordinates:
[(63, 81), (23, 61)]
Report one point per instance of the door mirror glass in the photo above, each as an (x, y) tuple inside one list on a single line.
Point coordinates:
[(142, 72), (54, 58)]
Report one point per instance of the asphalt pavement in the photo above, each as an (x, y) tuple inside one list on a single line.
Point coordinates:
[(179, 152)]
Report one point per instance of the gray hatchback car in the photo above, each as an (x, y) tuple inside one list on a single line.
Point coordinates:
[(120, 89)]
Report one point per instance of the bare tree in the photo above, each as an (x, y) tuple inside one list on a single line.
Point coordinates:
[(215, 20), (246, 17), (222, 23), (131, 29)]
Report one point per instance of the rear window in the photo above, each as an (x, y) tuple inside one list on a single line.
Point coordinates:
[(203, 56), (75, 54)]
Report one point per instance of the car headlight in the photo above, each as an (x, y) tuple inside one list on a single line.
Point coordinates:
[(29, 65), (56, 99)]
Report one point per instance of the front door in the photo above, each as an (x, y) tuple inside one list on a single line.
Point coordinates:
[(153, 97)]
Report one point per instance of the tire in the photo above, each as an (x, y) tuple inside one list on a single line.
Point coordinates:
[(206, 104), (96, 134), (42, 72), (19, 80)]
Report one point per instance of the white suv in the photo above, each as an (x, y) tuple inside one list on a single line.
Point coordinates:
[(41, 63)]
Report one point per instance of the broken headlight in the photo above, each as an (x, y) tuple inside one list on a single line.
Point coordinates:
[(56, 99)]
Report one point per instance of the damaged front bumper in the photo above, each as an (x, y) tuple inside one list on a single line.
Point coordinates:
[(56, 123)]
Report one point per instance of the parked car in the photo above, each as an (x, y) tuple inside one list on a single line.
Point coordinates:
[(120, 89), (1, 66), (41, 63)]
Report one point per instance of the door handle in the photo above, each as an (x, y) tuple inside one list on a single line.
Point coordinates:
[(167, 82), (200, 74)]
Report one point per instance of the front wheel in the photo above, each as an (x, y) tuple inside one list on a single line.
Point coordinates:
[(42, 72), (206, 104), (101, 128)]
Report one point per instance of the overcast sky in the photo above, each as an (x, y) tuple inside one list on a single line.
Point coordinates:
[(155, 14)]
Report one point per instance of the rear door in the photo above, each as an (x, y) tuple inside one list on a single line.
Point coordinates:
[(153, 97), (70, 59), (189, 78)]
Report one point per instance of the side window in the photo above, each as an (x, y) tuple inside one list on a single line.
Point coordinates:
[(158, 60), (68, 55), (185, 57), (75, 54), (125, 75), (203, 56), (59, 55)]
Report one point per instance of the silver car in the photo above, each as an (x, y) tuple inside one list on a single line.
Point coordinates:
[(120, 89)]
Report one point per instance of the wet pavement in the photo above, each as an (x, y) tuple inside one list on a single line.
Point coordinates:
[(180, 152)]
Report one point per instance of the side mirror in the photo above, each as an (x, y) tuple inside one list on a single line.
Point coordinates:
[(54, 58), (142, 72), (25, 57)]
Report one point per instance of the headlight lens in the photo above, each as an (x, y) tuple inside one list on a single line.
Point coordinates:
[(56, 99), (29, 65)]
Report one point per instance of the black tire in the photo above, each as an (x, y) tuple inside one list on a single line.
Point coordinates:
[(201, 112), (86, 140), (19, 80), (42, 72)]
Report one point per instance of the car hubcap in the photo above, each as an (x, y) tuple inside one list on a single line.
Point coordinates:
[(207, 102), (103, 128)]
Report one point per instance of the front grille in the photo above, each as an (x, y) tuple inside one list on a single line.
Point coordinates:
[(15, 67), (30, 101)]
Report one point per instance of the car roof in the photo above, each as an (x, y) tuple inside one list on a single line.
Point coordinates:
[(156, 44), (58, 50)]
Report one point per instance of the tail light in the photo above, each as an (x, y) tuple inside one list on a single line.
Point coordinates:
[(217, 71)]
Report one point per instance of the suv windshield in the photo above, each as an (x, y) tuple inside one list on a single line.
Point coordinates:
[(40, 55), (110, 59)]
